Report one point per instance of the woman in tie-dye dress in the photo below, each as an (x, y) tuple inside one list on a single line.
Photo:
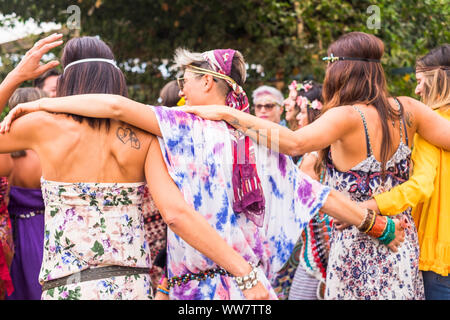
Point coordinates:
[(255, 199)]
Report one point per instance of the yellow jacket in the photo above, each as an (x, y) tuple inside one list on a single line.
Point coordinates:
[(428, 192)]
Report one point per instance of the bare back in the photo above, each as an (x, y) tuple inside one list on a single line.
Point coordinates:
[(351, 149), (74, 152), (26, 171)]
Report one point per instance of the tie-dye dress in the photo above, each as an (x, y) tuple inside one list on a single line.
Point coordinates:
[(198, 154)]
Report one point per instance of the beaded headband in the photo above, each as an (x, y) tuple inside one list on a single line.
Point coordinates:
[(332, 59), (91, 60)]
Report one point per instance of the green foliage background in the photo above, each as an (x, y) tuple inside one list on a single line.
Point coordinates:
[(287, 38)]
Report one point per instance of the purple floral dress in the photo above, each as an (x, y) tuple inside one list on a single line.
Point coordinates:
[(360, 267), (198, 154)]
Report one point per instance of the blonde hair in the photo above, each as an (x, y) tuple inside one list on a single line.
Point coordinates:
[(436, 88), (435, 67), (184, 58), (23, 95)]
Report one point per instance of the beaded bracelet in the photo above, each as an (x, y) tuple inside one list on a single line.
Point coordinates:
[(363, 222), (367, 221), (372, 221), (389, 233), (163, 290), (248, 281)]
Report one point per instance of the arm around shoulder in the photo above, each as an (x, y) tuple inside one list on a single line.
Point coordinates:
[(420, 185), (330, 127), (26, 132)]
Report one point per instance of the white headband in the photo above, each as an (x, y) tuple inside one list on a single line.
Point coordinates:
[(91, 59)]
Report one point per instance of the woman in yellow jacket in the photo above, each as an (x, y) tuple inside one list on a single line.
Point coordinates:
[(428, 189)]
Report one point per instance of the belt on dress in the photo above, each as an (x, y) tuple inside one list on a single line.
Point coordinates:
[(94, 274)]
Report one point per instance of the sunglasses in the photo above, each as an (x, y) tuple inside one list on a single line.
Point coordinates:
[(181, 81), (267, 106)]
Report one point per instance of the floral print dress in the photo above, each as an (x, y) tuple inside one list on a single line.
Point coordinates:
[(198, 154), (360, 267), (90, 225)]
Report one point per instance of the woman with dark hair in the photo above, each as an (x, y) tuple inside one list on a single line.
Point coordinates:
[(255, 199), (428, 188), (367, 152), (93, 171), (169, 95)]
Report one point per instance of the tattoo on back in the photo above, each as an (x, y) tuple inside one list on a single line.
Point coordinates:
[(126, 135)]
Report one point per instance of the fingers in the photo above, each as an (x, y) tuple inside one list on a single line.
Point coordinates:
[(41, 43), (46, 48), (6, 123), (47, 66), (393, 247), (4, 126)]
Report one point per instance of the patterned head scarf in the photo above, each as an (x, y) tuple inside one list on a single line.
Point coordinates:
[(248, 194)]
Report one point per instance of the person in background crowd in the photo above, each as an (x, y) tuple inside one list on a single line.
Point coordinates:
[(169, 95), (309, 279), (47, 82), (268, 103), (6, 238), (26, 210)]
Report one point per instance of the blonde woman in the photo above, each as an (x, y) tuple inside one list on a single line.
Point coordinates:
[(428, 188)]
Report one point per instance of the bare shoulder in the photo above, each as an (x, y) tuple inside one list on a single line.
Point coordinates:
[(342, 118), (413, 109), (411, 104), (40, 121), (346, 114)]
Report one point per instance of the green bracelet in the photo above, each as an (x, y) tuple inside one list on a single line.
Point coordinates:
[(389, 233)]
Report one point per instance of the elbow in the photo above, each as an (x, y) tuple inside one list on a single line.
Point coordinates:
[(175, 218), (297, 148)]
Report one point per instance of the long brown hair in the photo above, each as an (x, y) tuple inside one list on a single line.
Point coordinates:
[(90, 77), (435, 67), (349, 82)]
